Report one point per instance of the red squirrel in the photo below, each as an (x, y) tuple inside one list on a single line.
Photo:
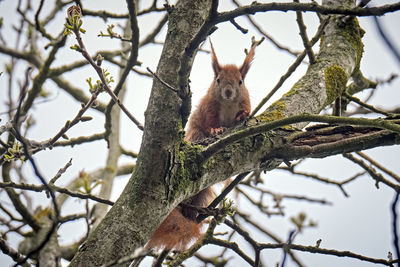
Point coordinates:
[(226, 103)]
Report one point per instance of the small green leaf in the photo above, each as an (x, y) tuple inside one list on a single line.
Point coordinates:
[(74, 47)]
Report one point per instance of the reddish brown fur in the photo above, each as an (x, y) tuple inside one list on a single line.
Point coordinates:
[(175, 232), (226, 103)]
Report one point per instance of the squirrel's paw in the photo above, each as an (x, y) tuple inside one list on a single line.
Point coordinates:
[(241, 115), (217, 131)]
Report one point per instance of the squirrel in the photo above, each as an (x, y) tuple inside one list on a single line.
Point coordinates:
[(226, 103)]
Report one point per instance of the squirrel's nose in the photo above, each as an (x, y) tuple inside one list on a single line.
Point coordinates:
[(228, 93)]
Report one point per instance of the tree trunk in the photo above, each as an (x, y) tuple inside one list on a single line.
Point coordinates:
[(139, 211)]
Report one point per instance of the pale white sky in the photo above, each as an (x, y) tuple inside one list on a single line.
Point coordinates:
[(360, 223)]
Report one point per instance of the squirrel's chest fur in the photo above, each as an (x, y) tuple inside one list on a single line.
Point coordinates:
[(227, 113)]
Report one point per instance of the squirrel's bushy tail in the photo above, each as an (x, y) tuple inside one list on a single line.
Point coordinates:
[(180, 228), (175, 232)]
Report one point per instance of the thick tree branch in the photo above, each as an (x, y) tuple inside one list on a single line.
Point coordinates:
[(263, 128), (321, 9)]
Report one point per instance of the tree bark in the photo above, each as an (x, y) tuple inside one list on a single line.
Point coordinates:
[(143, 204)]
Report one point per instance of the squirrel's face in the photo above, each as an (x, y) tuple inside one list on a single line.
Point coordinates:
[(228, 83)]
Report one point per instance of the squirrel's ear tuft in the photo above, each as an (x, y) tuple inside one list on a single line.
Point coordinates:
[(249, 58), (214, 61)]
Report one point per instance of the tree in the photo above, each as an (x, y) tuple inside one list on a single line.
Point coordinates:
[(168, 170)]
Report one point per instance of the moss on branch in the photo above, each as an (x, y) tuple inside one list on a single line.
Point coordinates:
[(335, 82)]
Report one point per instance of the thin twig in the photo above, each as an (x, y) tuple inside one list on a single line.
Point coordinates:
[(151, 36), (103, 14), (153, 8), (379, 166), (55, 220), (41, 188), (234, 247), (395, 226), (237, 26), (72, 217), (61, 171), (20, 207), (38, 26), (100, 73), (223, 194), (262, 229), (130, 63), (260, 205), (247, 237), (266, 35), (68, 125), (14, 254), (286, 249), (80, 140), (162, 81), (365, 105), (373, 173), (288, 196), (324, 251), (10, 215), (304, 37), (326, 180), (386, 39)]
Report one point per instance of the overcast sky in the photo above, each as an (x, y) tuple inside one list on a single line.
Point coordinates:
[(360, 223)]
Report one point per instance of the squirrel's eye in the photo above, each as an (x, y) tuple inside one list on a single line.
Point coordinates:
[(218, 80), (240, 82)]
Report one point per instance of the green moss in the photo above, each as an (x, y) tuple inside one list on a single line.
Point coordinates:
[(189, 157), (274, 112), (293, 90), (186, 168), (277, 110), (335, 81), (353, 33)]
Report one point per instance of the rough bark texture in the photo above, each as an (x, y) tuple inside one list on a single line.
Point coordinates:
[(164, 157)]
